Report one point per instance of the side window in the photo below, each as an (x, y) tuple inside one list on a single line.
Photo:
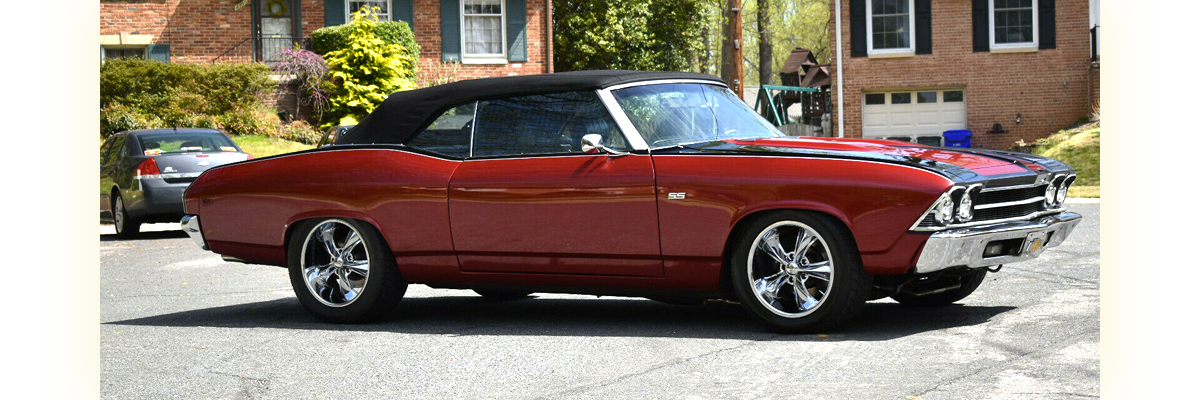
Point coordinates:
[(543, 124), (449, 134), (104, 148), (113, 150)]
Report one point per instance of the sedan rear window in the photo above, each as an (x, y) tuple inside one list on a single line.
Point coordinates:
[(164, 143)]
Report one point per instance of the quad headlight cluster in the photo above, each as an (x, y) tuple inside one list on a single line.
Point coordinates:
[(1056, 191), (957, 205)]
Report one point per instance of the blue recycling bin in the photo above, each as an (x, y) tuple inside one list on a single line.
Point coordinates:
[(957, 138)]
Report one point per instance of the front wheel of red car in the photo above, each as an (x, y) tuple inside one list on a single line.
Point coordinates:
[(798, 272), (343, 271)]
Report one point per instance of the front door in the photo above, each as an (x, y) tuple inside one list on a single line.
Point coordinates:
[(276, 27), (529, 200)]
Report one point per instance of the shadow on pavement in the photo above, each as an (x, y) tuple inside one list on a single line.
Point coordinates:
[(156, 235), (617, 317)]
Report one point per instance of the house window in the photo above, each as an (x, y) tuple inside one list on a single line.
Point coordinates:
[(125, 52), (483, 29), (875, 98), (384, 13), (901, 98), (889, 27), (1014, 24)]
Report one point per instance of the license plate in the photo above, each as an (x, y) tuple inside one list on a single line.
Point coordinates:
[(1035, 241)]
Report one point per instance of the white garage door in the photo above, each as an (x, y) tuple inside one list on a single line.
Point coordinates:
[(916, 116)]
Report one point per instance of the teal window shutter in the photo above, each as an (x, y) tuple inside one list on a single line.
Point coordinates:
[(160, 52), (515, 14), (402, 10), (335, 12), (451, 32)]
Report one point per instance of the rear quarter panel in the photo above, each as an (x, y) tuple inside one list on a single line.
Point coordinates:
[(878, 202), (246, 209)]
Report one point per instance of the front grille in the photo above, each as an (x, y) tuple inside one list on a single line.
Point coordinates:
[(1020, 202), (1010, 195)]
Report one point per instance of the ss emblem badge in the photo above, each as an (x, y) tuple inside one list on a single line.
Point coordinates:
[(676, 196)]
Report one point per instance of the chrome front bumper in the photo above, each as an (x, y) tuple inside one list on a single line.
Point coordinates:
[(191, 225), (965, 247)]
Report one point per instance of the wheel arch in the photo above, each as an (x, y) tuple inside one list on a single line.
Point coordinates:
[(299, 219), (835, 219)]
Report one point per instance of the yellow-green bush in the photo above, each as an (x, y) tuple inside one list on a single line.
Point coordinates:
[(366, 71)]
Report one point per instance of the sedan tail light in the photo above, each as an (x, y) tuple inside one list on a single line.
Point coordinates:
[(148, 170)]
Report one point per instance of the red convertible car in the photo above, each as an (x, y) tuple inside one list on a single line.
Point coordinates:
[(650, 184)]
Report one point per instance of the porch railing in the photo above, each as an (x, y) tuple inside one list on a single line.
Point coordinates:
[(261, 49)]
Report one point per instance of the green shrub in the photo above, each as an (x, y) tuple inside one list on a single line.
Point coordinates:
[(117, 118), (365, 72), (299, 131), (151, 94), (332, 38), (258, 120)]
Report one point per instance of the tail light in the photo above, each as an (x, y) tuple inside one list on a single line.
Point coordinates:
[(148, 170)]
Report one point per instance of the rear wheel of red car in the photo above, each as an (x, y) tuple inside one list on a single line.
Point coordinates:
[(500, 294), (799, 272), (126, 226), (343, 271), (967, 285)]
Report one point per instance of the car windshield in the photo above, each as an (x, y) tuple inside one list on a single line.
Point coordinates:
[(676, 114), (164, 143)]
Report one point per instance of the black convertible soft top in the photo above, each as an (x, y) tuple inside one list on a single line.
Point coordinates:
[(404, 113)]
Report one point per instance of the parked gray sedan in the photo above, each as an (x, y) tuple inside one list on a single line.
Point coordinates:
[(144, 173)]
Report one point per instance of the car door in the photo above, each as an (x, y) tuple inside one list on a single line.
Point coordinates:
[(109, 160), (529, 200)]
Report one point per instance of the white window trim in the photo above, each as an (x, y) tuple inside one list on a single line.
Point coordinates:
[(387, 16), (501, 58), (901, 52), (144, 48), (1011, 47)]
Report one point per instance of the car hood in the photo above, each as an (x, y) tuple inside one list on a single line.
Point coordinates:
[(962, 165)]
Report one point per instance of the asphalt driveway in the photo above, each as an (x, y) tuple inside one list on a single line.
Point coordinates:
[(176, 321)]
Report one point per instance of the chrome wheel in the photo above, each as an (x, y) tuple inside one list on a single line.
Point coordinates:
[(335, 263), (790, 269)]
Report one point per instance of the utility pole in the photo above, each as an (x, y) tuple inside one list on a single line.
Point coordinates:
[(731, 51)]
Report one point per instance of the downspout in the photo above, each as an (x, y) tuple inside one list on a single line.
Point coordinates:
[(549, 37), (841, 119)]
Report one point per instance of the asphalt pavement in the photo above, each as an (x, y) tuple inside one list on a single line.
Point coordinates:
[(178, 322)]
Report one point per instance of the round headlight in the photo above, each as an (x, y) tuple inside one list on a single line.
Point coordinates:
[(966, 208), (944, 211), (1062, 193), (1050, 194)]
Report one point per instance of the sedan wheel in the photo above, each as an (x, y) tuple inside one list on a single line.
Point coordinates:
[(342, 271), (799, 272), (126, 227)]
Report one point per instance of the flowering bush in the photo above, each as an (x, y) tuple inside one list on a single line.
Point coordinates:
[(309, 72)]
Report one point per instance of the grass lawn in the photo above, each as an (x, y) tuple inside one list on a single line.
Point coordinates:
[(1080, 147), (265, 146)]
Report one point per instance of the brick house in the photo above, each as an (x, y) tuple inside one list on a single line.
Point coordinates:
[(472, 38), (1007, 70)]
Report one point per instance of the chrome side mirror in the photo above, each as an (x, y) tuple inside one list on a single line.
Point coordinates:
[(591, 145)]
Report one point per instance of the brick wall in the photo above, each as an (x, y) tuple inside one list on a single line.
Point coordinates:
[(197, 30), (200, 30), (1049, 87), (427, 27)]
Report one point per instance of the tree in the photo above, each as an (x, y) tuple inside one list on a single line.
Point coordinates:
[(764, 41), (649, 36), (366, 71)]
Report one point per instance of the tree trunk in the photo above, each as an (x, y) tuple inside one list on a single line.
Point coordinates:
[(765, 52), (731, 50)]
